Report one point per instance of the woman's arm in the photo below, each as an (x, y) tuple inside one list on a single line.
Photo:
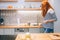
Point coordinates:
[(54, 18), (47, 21)]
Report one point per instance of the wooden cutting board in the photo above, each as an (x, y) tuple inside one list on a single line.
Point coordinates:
[(55, 36), (34, 36)]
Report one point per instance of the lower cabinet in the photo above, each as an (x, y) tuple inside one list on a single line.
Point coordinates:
[(1, 31), (36, 30), (14, 31), (6, 31)]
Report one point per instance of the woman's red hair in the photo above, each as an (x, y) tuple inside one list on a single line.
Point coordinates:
[(45, 7)]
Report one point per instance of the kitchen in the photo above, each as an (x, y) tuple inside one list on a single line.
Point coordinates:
[(16, 16)]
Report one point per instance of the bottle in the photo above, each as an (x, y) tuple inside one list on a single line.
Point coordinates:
[(10, 6), (1, 21), (18, 21), (28, 23), (28, 36)]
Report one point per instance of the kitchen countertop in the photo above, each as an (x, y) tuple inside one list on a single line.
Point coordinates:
[(26, 26), (39, 36)]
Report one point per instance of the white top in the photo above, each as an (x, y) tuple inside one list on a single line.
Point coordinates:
[(50, 15)]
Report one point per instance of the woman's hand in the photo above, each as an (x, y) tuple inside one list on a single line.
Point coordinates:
[(40, 24), (46, 21)]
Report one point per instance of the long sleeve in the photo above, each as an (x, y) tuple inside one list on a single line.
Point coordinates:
[(53, 15)]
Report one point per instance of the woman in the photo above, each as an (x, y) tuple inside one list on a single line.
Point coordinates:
[(49, 17)]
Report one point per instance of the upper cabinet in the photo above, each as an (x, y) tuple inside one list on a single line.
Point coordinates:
[(33, 0), (8, 0)]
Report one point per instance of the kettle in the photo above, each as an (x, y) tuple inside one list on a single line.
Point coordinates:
[(1, 21)]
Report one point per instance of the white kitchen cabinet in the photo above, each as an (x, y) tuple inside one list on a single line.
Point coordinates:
[(1, 31), (8, 31), (36, 30)]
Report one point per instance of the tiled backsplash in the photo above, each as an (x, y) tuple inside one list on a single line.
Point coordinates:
[(9, 17), (13, 17)]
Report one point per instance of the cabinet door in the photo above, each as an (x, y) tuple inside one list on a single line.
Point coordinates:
[(8, 31), (36, 30), (1, 31), (21, 30)]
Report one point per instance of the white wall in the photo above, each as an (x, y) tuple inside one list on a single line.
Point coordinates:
[(57, 10), (56, 6)]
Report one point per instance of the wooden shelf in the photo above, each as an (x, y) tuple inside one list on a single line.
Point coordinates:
[(8, 0), (20, 26), (21, 9), (33, 0), (30, 9), (8, 9)]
